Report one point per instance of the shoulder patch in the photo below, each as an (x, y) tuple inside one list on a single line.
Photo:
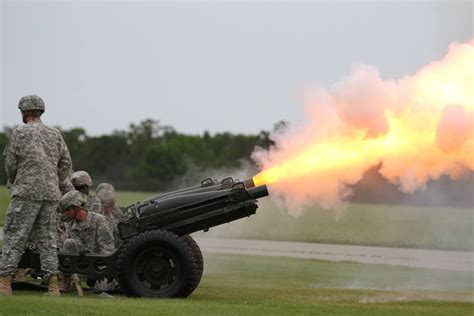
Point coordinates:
[(106, 237)]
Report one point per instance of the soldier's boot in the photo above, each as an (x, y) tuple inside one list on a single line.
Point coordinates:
[(65, 283), (76, 283), (5, 285), (53, 287)]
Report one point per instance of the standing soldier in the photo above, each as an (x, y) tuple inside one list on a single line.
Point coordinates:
[(82, 182), (37, 164)]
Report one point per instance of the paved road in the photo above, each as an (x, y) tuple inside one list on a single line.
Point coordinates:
[(418, 258)]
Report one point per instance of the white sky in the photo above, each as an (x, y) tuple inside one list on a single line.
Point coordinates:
[(198, 66)]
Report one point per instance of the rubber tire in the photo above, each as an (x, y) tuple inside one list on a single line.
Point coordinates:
[(187, 265), (198, 258)]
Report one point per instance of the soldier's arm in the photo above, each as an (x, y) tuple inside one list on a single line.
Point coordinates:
[(11, 159), (106, 237), (118, 213), (64, 168), (70, 232)]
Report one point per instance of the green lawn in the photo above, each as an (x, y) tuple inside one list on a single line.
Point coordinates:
[(245, 285), (126, 198), (365, 224)]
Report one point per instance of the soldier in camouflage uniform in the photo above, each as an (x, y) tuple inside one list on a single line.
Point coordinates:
[(82, 182), (111, 212), (104, 186), (106, 193), (38, 165), (90, 232)]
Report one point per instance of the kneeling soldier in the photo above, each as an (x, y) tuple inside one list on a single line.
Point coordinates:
[(90, 232), (111, 212), (82, 182)]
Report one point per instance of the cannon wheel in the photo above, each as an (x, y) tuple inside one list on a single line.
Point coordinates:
[(158, 264), (198, 256)]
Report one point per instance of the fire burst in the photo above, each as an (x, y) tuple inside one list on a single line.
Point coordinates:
[(418, 128)]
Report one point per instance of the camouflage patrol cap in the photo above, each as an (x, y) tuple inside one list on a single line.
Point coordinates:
[(104, 186), (107, 197), (71, 198), (81, 178), (31, 103)]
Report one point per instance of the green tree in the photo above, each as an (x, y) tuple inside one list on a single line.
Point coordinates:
[(152, 156)]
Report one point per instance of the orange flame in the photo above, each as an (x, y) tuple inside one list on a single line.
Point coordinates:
[(419, 128)]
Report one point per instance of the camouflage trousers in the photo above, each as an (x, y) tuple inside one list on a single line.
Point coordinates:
[(27, 218)]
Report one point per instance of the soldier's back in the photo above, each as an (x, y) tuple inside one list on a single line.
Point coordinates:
[(38, 150)]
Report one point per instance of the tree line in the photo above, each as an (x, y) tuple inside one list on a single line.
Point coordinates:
[(150, 156)]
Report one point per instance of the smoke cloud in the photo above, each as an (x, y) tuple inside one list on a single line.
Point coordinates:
[(417, 128)]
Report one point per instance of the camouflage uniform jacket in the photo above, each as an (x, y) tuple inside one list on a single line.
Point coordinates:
[(94, 204), (37, 163), (94, 233), (114, 218)]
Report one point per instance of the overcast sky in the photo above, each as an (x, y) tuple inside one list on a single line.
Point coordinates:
[(198, 66)]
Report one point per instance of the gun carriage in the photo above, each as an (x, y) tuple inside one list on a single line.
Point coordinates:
[(158, 258)]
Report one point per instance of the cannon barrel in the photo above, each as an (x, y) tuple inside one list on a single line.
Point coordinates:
[(196, 208), (258, 192), (205, 186)]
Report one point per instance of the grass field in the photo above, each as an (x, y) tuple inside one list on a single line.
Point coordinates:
[(237, 285), (364, 224), (244, 285)]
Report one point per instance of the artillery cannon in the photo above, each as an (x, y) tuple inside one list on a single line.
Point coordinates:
[(158, 258)]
